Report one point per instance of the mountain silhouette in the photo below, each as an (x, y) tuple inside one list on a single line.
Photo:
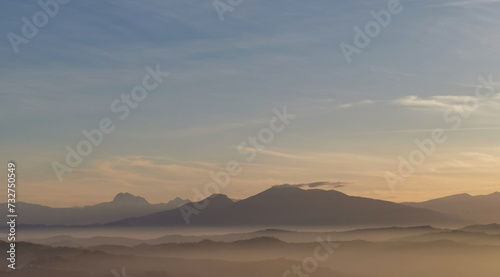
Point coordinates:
[(174, 217), (126, 198), (123, 205), (289, 206), (479, 209)]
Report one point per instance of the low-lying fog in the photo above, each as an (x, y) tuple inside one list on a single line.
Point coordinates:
[(161, 252)]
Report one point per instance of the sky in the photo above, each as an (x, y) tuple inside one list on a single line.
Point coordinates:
[(353, 121)]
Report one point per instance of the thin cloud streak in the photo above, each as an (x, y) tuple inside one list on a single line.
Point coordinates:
[(465, 3), (430, 130), (337, 184)]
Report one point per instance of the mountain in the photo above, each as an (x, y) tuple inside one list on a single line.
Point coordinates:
[(493, 228), (123, 205), (129, 199), (174, 217), (292, 206), (481, 209)]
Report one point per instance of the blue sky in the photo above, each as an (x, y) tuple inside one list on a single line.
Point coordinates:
[(353, 120)]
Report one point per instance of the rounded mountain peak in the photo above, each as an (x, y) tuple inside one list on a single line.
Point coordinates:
[(127, 198)]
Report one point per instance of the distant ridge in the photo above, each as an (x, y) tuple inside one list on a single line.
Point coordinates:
[(480, 209), (371, 234), (493, 228), (123, 205)]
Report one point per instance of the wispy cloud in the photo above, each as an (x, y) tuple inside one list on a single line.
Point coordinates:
[(493, 128), (357, 104), (337, 184), (433, 102), (464, 3), (437, 102), (442, 102)]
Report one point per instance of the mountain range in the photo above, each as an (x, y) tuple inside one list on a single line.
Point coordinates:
[(277, 206), (481, 209), (292, 206), (123, 205)]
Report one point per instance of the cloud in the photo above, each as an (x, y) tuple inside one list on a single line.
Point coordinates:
[(492, 128), (465, 3), (459, 103), (357, 104), (431, 102), (314, 185)]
